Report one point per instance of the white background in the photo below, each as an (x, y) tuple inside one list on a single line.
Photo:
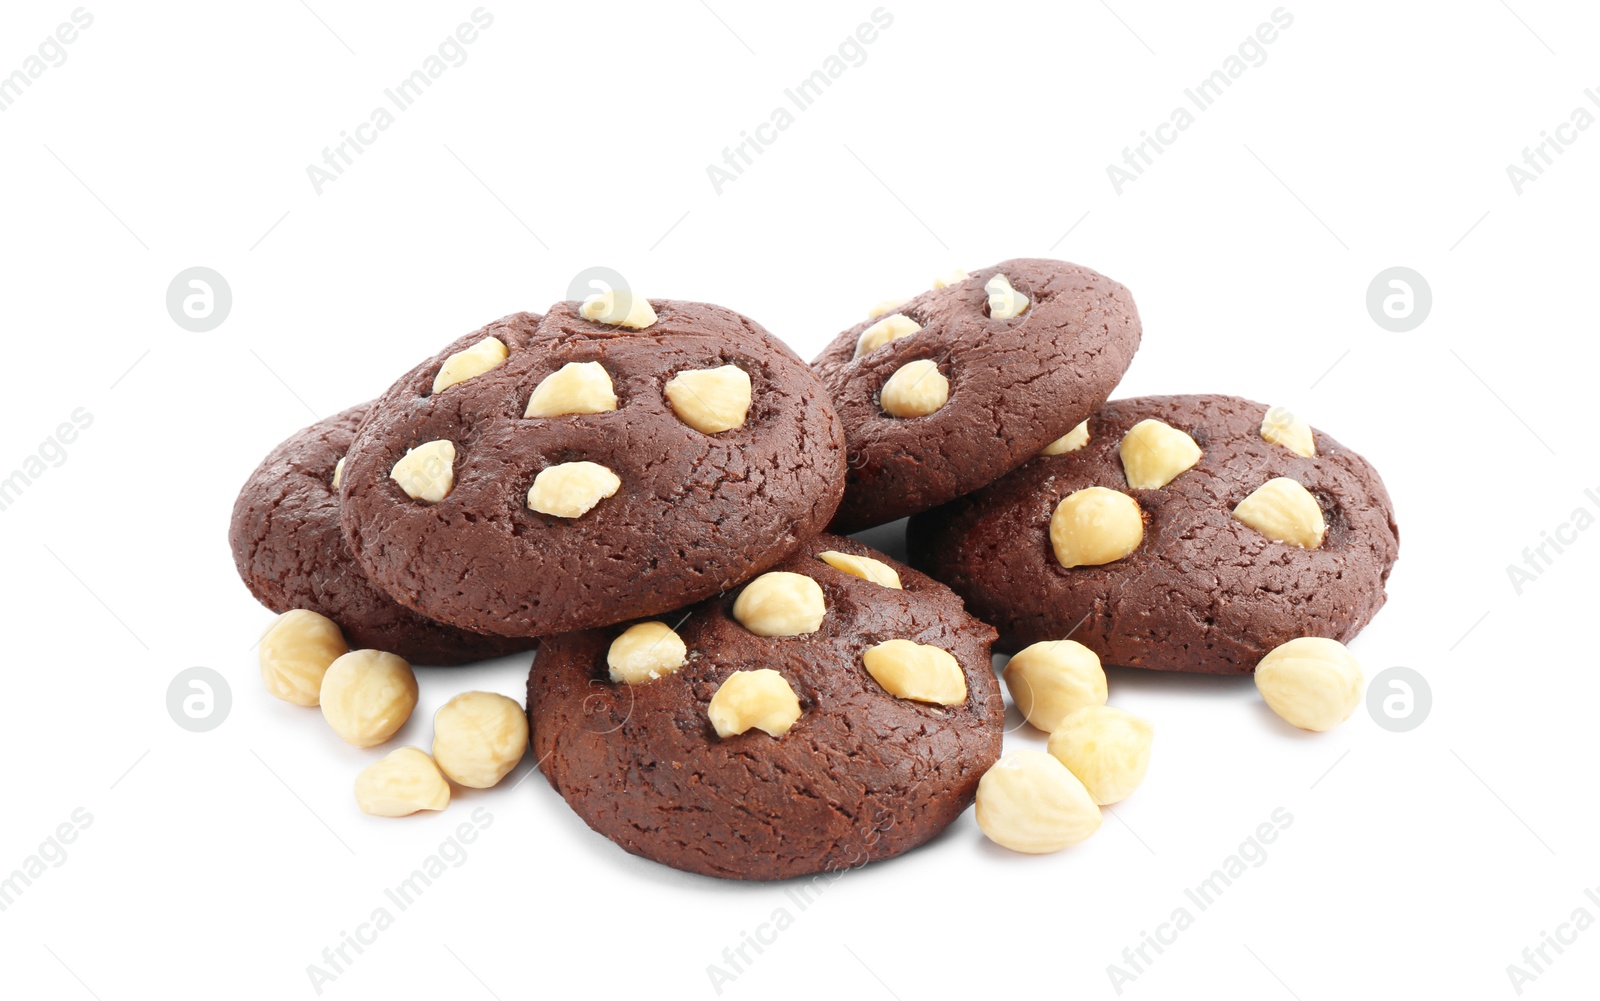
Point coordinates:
[(1374, 135)]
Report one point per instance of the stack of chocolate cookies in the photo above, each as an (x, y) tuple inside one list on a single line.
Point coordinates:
[(643, 490)]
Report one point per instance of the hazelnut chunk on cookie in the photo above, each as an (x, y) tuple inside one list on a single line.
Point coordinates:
[(1095, 525), (759, 700), (917, 671), (1284, 511), (572, 489), (427, 473), (575, 388), (469, 363), (916, 389), (711, 400)]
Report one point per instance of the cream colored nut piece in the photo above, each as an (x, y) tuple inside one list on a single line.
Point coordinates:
[(890, 328), (1312, 682), (578, 387), (645, 652), (917, 671), (402, 782), (1029, 802), (864, 567), (367, 696), (885, 306), (916, 389), (949, 278), (780, 603), (1095, 525), (468, 363), (618, 308), (295, 653), (1069, 442), (760, 700), (427, 472), (338, 472), (1005, 302), (1106, 748), (1154, 453), (711, 400), (572, 489), (1284, 511), (1048, 681), (1281, 426), (478, 737)]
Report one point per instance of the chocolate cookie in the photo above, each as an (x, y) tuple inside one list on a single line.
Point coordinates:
[(855, 774), (291, 554), (545, 475), (1247, 529), (955, 388)]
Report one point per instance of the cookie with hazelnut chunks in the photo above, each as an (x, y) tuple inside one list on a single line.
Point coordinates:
[(614, 458), (1183, 533), (959, 385), (291, 554), (837, 710)]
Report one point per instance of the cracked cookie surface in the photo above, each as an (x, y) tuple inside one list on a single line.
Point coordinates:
[(1013, 384), (560, 487), (1202, 590), (861, 775), (290, 553)]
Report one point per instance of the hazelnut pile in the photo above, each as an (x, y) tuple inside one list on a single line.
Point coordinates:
[(368, 695)]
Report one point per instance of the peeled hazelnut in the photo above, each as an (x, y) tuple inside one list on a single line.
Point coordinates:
[(916, 389), (489, 353), (1107, 749), (367, 696), (1312, 682), (890, 328), (404, 781), (296, 652), (885, 306), (864, 567), (761, 700), (949, 278), (1154, 453), (578, 387), (1051, 680), (711, 400), (618, 307), (338, 472), (427, 472), (1284, 511), (571, 489), (780, 603), (478, 737), (1282, 427), (1095, 525), (645, 652), (1005, 302), (1069, 442), (917, 671), (1029, 802)]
